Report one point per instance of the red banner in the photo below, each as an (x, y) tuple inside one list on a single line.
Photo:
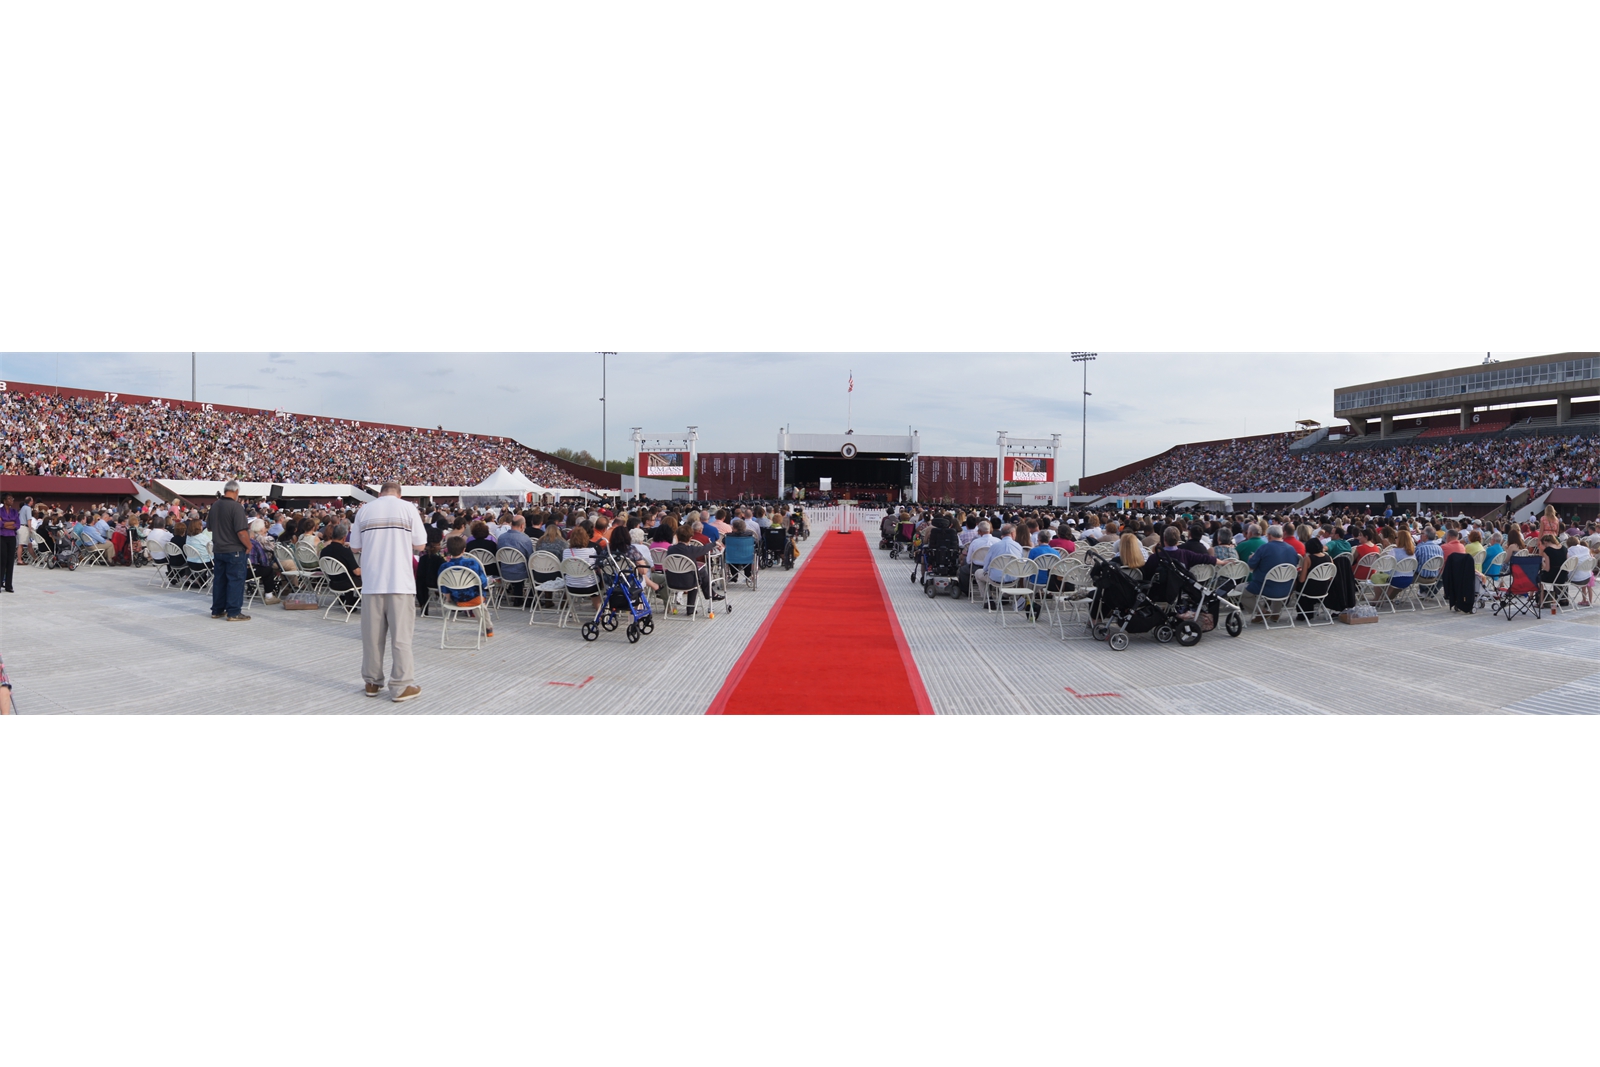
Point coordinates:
[(956, 479), (1030, 469), (732, 475)]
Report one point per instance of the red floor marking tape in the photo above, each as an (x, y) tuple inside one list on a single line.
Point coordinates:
[(574, 685), (1090, 696)]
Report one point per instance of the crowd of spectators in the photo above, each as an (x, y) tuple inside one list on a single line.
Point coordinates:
[(48, 435), (1266, 465)]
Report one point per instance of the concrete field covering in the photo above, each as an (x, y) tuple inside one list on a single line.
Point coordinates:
[(99, 641)]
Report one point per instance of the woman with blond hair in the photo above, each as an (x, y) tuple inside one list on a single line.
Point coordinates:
[(1129, 551), (1550, 523)]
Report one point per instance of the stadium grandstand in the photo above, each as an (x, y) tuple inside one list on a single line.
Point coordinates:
[(1479, 431), (50, 432)]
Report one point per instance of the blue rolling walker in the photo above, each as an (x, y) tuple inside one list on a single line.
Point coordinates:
[(624, 592)]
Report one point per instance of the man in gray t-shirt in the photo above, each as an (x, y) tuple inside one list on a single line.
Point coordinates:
[(230, 533)]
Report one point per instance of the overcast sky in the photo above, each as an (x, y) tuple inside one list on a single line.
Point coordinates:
[(1142, 403)]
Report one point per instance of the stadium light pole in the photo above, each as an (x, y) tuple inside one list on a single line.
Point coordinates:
[(603, 356), (1085, 358)]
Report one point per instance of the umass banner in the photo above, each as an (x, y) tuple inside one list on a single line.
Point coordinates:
[(663, 464), (1030, 469), (956, 479), (730, 475)]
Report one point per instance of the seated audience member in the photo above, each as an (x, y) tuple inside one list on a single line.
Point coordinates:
[(157, 539), (1452, 544), (688, 546), (1429, 547), (1130, 551), (625, 550), (456, 556), (739, 531), (709, 531), (1189, 554), (1005, 545), (514, 537), (551, 540), (1315, 555), (579, 548), (697, 533), (428, 566), (337, 548), (261, 563), (1336, 542), (1296, 540), (1272, 554), (1253, 541), (1577, 550), (1555, 557), (481, 541), (1402, 549), (1363, 555)]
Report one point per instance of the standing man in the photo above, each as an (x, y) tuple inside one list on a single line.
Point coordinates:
[(25, 525), (388, 534), (230, 555), (10, 523)]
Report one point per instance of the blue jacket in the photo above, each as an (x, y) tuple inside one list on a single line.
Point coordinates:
[(472, 564), (1265, 558)]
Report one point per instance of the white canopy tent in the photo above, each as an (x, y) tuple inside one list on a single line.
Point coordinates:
[(501, 485), (1190, 493)]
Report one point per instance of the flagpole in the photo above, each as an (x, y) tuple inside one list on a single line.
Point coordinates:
[(850, 417)]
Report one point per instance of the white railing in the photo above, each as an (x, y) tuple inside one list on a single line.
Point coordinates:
[(845, 518)]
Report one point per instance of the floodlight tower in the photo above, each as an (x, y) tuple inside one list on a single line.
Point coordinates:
[(1085, 358)]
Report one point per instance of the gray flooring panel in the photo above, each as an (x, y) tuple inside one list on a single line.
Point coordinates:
[(1411, 663), (104, 641)]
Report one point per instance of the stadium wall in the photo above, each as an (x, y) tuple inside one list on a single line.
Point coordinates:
[(604, 479)]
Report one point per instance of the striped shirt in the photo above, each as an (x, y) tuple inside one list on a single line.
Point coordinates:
[(388, 532)]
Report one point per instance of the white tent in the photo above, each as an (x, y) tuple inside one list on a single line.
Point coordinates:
[(501, 485), (525, 481), (1190, 493)]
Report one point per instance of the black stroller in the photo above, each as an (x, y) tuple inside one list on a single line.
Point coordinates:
[(624, 593), (775, 548), (1167, 603)]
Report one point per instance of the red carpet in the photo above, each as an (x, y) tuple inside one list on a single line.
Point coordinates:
[(831, 646)]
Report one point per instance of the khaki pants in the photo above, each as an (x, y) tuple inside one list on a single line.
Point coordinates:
[(388, 618)]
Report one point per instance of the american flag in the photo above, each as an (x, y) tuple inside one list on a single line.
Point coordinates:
[(852, 382)]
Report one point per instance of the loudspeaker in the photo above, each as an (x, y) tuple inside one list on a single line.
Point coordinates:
[(1391, 500)]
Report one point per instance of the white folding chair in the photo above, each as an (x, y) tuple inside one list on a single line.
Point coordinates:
[(510, 557), (1408, 594), (1016, 588), (1556, 591), (199, 568), (310, 564), (681, 566), (575, 572), (1064, 573), (1374, 588), (461, 580), (331, 569), (542, 588), (1578, 578), (1427, 584), (978, 574), (1314, 605), (1283, 574)]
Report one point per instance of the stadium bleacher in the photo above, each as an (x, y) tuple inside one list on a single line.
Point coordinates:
[(76, 433)]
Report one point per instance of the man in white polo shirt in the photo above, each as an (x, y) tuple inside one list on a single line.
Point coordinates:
[(388, 532)]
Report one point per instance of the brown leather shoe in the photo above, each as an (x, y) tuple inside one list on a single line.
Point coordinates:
[(411, 692), (373, 690), (238, 618)]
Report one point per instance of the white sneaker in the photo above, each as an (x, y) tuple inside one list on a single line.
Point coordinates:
[(270, 599)]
